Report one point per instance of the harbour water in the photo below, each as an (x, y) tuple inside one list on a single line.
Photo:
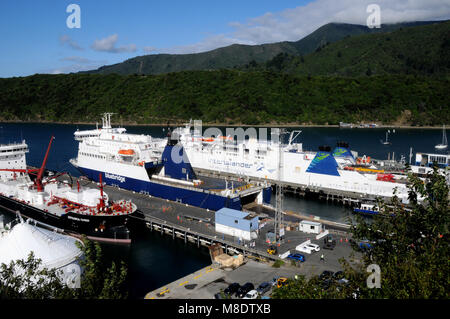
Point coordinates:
[(154, 260)]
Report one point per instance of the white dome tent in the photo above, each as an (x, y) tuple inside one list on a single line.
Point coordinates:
[(55, 250)]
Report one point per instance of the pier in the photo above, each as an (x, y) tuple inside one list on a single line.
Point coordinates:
[(197, 226), (346, 198)]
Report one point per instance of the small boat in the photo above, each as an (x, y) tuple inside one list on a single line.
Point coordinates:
[(386, 142), (367, 209), (444, 143)]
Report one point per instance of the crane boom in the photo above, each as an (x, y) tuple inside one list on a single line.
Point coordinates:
[(38, 180)]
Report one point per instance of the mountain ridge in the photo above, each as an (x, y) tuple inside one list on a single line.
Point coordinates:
[(236, 55)]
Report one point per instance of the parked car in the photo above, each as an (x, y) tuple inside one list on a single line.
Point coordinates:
[(232, 289), (329, 239), (282, 281), (252, 294), (218, 296), (338, 275), (339, 278), (263, 287), (313, 247), (298, 257), (343, 281), (243, 290), (326, 283), (326, 274), (365, 244), (274, 281)]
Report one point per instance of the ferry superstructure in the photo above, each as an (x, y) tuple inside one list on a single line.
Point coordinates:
[(157, 167), (325, 169), (75, 209)]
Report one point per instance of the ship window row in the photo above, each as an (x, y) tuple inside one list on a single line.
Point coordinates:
[(10, 156), (92, 155), (438, 159), (14, 150)]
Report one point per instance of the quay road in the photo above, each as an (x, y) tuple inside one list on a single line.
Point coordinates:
[(206, 282)]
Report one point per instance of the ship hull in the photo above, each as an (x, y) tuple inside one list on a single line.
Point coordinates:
[(193, 197), (114, 228)]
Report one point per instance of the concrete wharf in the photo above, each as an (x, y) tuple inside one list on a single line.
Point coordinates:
[(197, 225), (347, 198)]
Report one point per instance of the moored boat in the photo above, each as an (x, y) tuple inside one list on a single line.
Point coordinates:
[(73, 208), (159, 168)]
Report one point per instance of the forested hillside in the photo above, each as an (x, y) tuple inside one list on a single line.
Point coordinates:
[(226, 96)]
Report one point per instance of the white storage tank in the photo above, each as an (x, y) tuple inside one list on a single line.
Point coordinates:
[(56, 251)]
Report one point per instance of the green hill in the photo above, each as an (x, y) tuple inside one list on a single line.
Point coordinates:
[(414, 50), (226, 96), (237, 55)]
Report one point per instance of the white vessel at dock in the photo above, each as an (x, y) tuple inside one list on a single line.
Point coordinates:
[(326, 169), (75, 209), (155, 167)]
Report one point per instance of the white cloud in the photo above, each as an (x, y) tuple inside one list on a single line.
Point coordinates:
[(65, 39), (73, 68), (108, 44), (77, 59), (294, 24), (77, 64), (149, 49)]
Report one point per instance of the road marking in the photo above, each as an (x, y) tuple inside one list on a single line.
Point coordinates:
[(209, 270), (184, 283), (198, 276)]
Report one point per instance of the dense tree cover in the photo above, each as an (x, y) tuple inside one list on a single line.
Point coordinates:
[(97, 281), (221, 96), (423, 50), (411, 248)]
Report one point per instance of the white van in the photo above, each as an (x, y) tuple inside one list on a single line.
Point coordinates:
[(313, 247)]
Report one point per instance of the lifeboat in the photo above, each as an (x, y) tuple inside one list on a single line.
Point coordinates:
[(207, 139), (126, 152)]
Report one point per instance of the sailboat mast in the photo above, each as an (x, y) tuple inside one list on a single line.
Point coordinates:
[(444, 136)]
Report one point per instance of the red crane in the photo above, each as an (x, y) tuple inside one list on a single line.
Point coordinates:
[(38, 180)]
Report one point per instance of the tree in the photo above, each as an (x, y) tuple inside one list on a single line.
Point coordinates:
[(99, 282), (25, 279), (410, 245)]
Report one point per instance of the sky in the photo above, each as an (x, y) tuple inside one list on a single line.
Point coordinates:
[(35, 36)]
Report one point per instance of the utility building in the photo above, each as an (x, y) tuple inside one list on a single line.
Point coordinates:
[(307, 226), (236, 223)]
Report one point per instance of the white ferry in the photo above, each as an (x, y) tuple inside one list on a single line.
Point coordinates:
[(336, 169), (157, 167)]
